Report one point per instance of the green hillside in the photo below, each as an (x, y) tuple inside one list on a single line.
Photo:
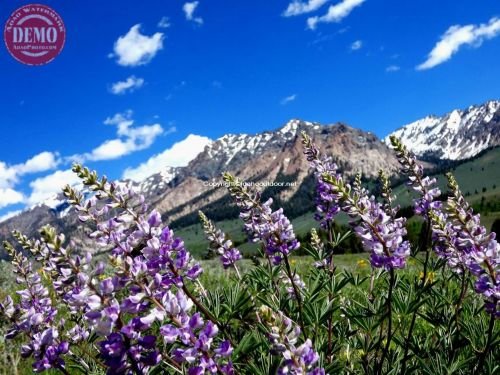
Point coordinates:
[(479, 180)]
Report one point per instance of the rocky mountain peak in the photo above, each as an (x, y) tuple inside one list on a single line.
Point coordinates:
[(457, 135)]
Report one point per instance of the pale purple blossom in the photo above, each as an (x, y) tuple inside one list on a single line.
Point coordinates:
[(220, 244), (325, 200), (272, 228), (284, 334), (381, 234)]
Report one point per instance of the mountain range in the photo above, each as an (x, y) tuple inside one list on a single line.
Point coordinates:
[(178, 193), (458, 135)]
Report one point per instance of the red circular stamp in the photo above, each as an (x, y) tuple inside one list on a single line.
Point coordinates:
[(34, 34)]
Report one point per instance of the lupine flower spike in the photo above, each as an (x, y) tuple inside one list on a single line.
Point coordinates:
[(381, 234), (220, 244)]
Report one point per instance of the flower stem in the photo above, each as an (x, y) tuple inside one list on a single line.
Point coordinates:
[(423, 245), (389, 322), (329, 354), (463, 292), (297, 295)]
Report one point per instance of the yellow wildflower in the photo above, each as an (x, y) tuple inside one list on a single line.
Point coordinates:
[(362, 263), (430, 277)]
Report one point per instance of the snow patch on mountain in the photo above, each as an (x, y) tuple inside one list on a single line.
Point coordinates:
[(460, 134)]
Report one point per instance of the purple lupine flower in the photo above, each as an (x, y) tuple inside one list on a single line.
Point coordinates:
[(387, 196), (272, 228), (326, 205), (457, 232), (284, 336), (34, 317), (195, 334), (219, 243), (444, 234), (123, 354), (151, 267), (381, 234), (287, 283), (479, 250), (424, 186), (46, 349)]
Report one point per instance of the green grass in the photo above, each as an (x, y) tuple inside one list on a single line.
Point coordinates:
[(472, 176), (195, 241)]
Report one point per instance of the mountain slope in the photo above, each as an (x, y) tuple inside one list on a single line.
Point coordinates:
[(267, 157), (458, 135)]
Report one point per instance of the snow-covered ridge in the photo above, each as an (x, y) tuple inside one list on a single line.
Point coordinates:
[(158, 181), (228, 146), (457, 135)]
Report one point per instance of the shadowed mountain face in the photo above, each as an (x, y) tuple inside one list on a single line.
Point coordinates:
[(458, 135), (271, 156)]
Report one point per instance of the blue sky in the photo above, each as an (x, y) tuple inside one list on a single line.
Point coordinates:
[(135, 78)]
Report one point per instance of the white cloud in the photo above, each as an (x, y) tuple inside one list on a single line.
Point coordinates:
[(111, 149), (134, 48), (8, 175), (41, 162), (44, 161), (130, 139), (122, 120), (189, 9), (336, 13), (288, 99), (10, 196), (356, 45), (392, 68), (131, 84), (457, 36), (9, 214), (164, 23), (297, 7), (46, 186), (11, 174), (180, 154)]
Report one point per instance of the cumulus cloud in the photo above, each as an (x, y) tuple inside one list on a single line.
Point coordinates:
[(134, 48), (164, 23), (130, 139), (297, 7), (356, 45), (131, 84), (46, 186), (336, 13), (456, 37), (10, 174), (10, 196), (392, 68), (41, 162), (180, 154), (189, 9), (288, 99)]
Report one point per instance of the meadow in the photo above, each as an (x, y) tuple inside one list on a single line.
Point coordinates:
[(425, 301)]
